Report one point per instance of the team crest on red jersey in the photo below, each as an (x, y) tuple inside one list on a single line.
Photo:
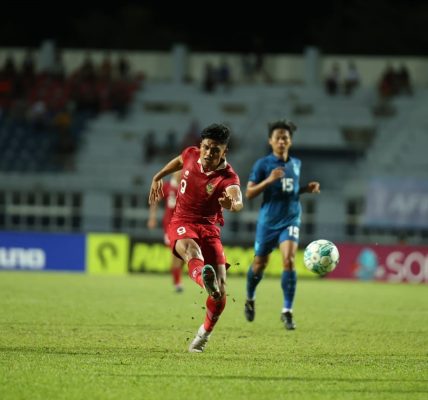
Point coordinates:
[(209, 188)]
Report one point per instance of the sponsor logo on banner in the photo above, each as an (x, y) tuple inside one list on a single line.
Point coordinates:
[(383, 263), (42, 251), (397, 203), (15, 257), (107, 254)]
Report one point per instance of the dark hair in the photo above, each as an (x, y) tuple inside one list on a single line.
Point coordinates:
[(281, 124), (218, 132)]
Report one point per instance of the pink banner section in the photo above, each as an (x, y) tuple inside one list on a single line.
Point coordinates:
[(382, 263)]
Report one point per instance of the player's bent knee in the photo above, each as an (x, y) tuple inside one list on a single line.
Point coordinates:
[(289, 264), (258, 268)]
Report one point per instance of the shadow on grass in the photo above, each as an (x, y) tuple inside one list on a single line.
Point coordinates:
[(268, 378), (285, 379), (94, 351)]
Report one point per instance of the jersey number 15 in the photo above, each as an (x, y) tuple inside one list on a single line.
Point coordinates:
[(287, 184)]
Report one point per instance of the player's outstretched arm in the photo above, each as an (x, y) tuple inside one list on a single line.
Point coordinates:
[(232, 199), (156, 188), (254, 189), (156, 191), (152, 221), (311, 187)]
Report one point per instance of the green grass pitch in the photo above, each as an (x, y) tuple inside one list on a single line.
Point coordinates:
[(69, 336)]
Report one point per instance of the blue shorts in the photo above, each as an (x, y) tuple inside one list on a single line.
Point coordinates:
[(267, 239)]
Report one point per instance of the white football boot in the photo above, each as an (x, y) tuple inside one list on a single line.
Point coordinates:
[(199, 342)]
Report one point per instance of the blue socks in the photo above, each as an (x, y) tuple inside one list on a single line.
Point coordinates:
[(288, 284), (252, 281)]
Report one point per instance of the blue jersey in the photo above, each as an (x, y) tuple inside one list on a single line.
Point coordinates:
[(281, 206)]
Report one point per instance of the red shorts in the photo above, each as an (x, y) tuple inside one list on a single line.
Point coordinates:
[(206, 236)]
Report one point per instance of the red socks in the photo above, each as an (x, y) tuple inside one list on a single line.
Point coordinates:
[(214, 307), (195, 270), (176, 275), (214, 310)]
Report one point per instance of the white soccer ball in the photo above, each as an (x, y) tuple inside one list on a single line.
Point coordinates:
[(321, 256)]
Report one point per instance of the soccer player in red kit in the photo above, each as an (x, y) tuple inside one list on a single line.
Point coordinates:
[(208, 185), (170, 189)]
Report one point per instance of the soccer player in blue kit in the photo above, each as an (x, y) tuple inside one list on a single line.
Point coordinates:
[(277, 176)]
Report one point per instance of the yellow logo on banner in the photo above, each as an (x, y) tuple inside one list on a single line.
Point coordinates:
[(107, 253), (157, 258)]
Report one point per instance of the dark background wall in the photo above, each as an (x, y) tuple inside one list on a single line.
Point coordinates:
[(337, 27)]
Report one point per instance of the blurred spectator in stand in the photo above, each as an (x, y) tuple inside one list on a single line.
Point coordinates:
[(170, 146), (388, 83), (209, 78), (87, 70), (104, 83), (150, 148), (120, 97), (8, 77), (123, 67), (247, 65), (9, 69), (404, 85), (58, 68), (38, 116), (28, 68), (22, 79), (106, 68), (121, 90), (192, 137), (27, 74), (83, 89), (352, 79), (332, 80), (66, 146), (224, 78)]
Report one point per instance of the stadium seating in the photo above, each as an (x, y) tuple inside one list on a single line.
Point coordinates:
[(340, 140)]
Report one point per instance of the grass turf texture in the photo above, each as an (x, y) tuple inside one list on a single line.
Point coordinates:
[(94, 337)]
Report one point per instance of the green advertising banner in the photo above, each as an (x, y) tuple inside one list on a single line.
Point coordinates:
[(107, 253), (157, 258)]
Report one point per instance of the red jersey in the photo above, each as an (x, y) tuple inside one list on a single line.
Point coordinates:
[(170, 195), (199, 191)]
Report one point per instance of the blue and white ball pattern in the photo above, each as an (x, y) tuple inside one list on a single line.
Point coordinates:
[(321, 256)]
